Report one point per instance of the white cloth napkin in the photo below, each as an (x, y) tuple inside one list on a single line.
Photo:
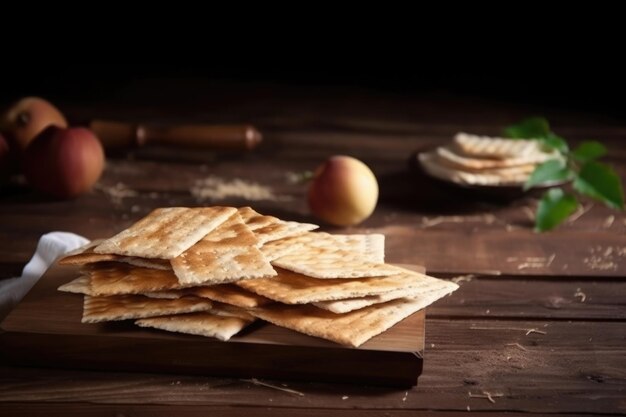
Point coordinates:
[(49, 248)]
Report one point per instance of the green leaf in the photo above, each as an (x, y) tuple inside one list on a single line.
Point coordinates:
[(555, 142), (531, 128), (589, 150), (550, 171), (601, 182), (555, 206)]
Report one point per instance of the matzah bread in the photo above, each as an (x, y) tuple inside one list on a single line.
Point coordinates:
[(463, 162), (167, 232), (430, 164), (86, 255), (117, 279), (167, 294), (490, 147), (279, 248), (80, 285), (201, 324), (227, 254), (371, 246), (292, 288), (329, 262), (270, 228), (345, 306), (228, 310), (350, 329), (230, 294), (123, 307)]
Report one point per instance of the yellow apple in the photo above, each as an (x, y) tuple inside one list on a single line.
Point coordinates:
[(26, 118), (343, 192)]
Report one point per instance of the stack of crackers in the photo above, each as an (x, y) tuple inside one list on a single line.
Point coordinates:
[(483, 160), (212, 271)]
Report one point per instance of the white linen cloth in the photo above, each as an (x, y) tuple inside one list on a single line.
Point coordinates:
[(50, 247)]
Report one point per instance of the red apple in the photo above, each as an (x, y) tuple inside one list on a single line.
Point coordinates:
[(64, 162), (26, 118), (343, 192)]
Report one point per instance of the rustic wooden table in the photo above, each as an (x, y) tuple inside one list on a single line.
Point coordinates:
[(537, 326)]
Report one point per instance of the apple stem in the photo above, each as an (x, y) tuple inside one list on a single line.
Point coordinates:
[(23, 118)]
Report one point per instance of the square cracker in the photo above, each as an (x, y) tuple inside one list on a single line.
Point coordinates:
[(165, 233), (492, 177), (123, 307), (459, 161), (80, 285), (499, 148), (201, 324), (371, 246), (331, 262), (350, 304), (350, 329), (227, 254), (270, 228), (86, 255), (292, 288), (230, 294), (117, 279)]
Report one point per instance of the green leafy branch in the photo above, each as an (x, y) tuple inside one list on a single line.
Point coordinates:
[(589, 177)]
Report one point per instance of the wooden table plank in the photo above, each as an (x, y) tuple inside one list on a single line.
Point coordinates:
[(545, 298), (82, 409), (574, 367)]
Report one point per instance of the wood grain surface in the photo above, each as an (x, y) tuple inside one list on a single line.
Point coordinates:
[(538, 323)]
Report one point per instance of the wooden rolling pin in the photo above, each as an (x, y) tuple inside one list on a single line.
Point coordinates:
[(219, 137)]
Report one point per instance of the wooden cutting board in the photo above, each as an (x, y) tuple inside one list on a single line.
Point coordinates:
[(44, 330)]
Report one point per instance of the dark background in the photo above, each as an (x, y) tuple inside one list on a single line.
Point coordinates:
[(574, 84)]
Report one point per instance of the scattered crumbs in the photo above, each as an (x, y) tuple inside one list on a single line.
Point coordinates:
[(298, 177), (135, 208), (590, 339), (463, 278), (528, 331), (432, 345), (215, 188), (487, 311), (604, 258), (116, 193), (580, 294), (517, 345), (531, 331), (406, 394), (486, 395), (265, 384), (579, 212), (468, 408), (485, 218), (608, 222), (533, 262), (153, 195), (345, 397)]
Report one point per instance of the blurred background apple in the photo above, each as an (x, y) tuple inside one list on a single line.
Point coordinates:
[(343, 192), (64, 162), (26, 118)]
